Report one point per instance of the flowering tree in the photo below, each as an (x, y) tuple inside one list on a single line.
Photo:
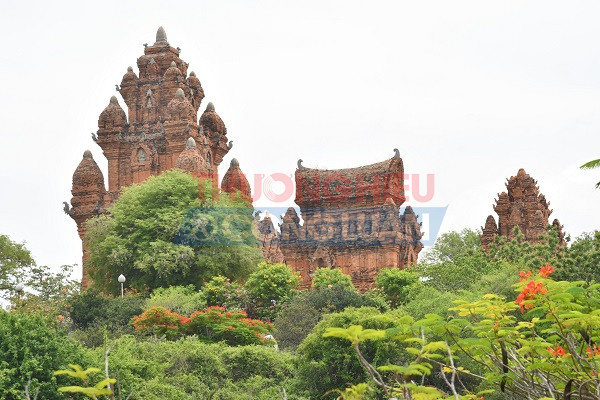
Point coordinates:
[(161, 321), (543, 345), (215, 324)]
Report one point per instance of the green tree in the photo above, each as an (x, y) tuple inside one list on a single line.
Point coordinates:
[(268, 288), (299, 316), (455, 261), (328, 364), (158, 234), (16, 264), (581, 260), (591, 165), (452, 246), (398, 285), (180, 299), (327, 277), (220, 291), (31, 348)]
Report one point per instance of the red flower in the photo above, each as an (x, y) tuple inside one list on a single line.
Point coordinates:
[(591, 352), (557, 351), (523, 276), (546, 270), (528, 293)]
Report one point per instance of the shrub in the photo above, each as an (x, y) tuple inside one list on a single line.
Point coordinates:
[(328, 364), (325, 277), (398, 285), (31, 347), (268, 287), (180, 299), (220, 291), (190, 369), (91, 308), (215, 324), (300, 315), (160, 321)]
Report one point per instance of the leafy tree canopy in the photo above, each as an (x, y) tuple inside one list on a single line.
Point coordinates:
[(158, 234), (326, 277), (15, 264)]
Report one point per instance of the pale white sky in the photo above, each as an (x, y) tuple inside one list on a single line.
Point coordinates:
[(467, 90)]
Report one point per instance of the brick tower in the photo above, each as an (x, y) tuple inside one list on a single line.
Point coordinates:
[(351, 222), (159, 131), (521, 205)]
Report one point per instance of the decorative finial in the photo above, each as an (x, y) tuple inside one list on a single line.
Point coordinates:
[(179, 93), (173, 65), (300, 166), (397, 153), (235, 162), (129, 69), (210, 107), (190, 144), (152, 61), (113, 100), (88, 154), (192, 73), (161, 36)]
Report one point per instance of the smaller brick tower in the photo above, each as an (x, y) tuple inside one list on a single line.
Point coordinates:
[(523, 206)]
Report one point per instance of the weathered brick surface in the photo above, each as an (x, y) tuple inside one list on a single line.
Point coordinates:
[(521, 205), (162, 116), (351, 222)]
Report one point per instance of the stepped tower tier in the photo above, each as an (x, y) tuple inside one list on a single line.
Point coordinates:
[(150, 136), (162, 113)]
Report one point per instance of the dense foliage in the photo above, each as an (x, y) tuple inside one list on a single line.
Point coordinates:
[(215, 324), (269, 287), (299, 316), (327, 277), (463, 324), (32, 346), (15, 264), (398, 285), (158, 234)]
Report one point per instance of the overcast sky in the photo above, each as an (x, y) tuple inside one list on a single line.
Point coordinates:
[(469, 91)]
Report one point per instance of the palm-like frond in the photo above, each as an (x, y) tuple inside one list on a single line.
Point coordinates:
[(591, 164)]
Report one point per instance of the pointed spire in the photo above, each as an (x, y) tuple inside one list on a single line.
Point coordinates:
[(113, 100), (88, 154), (235, 162), (161, 37), (179, 93), (210, 107), (173, 65), (190, 144), (129, 69)]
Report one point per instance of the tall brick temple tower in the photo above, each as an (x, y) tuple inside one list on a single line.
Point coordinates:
[(521, 205), (160, 130), (352, 222)]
